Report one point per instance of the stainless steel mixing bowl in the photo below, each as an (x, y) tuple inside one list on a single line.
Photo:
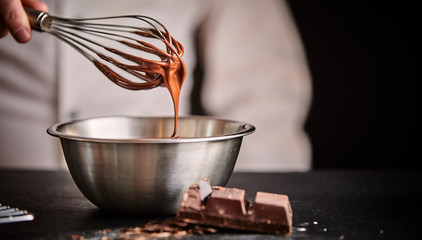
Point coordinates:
[(131, 165)]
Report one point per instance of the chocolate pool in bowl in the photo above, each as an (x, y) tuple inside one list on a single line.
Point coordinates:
[(131, 164)]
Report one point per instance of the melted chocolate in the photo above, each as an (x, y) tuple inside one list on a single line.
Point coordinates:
[(169, 71)]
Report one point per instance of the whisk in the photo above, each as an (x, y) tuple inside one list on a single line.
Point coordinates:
[(129, 55), (120, 50)]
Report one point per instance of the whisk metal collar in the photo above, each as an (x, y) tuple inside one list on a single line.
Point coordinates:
[(38, 20)]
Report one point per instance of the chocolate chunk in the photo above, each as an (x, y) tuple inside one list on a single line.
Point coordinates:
[(226, 202), (228, 208)]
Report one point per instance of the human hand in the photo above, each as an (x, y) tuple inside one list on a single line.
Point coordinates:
[(13, 18)]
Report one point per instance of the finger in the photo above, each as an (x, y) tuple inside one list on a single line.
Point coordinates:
[(15, 20)]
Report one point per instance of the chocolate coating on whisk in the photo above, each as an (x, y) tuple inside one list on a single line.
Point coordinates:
[(170, 70)]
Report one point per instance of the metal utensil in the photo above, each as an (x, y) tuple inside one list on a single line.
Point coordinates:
[(123, 48), (9, 214), (131, 165)]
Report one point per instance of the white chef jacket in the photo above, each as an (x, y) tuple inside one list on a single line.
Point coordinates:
[(255, 71)]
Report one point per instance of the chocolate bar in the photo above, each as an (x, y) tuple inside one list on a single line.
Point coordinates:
[(228, 208)]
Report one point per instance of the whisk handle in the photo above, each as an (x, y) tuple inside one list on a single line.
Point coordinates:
[(38, 20)]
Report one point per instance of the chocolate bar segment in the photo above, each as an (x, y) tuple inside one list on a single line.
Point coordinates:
[(226, 202), (228, 208), (274, 210)]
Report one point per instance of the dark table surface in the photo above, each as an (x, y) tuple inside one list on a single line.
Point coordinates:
[(326, 205)]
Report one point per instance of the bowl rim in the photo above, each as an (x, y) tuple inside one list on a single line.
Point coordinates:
[(246, 130)]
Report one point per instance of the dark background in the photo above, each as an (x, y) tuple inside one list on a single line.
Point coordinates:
[(364, 58)]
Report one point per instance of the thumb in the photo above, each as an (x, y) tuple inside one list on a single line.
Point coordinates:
[(15, 19)]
